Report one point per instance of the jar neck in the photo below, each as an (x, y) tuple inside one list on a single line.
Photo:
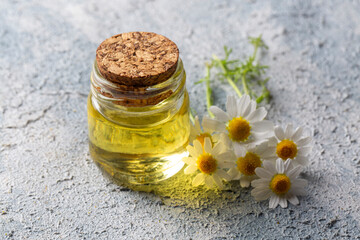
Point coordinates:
[(109, 92), (130, 106)]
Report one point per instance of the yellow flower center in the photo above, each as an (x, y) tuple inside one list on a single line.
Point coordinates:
[(239, 129), (247, 165), (206, 163), (286, 149), (280, 184), (201, 138)]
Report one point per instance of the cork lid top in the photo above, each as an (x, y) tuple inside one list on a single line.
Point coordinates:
[(137, 58)]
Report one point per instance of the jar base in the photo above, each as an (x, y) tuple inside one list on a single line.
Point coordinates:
[(128, 170)]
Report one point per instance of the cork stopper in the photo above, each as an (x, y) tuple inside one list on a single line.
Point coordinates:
[(137, 59)]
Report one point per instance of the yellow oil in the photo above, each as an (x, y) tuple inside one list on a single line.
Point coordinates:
[(139, 150)]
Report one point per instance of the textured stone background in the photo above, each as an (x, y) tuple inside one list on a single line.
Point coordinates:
[(49, 187)]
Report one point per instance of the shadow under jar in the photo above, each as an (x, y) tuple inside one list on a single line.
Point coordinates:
[(138, 109)]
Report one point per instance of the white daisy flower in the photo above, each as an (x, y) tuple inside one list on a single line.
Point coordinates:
[(248, 159), (210, 161), (290, 144), (201, 131), (243, 123), (280, 183)]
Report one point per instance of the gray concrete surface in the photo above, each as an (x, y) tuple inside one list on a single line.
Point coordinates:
[(50, 188)]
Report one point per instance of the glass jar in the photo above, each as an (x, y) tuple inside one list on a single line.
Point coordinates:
[(138, 135)]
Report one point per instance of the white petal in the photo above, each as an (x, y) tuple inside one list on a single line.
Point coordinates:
[(263, 173), (218, 148), (250, 143), (226, 149), (262, 126), (273, 142), (289, 131), (198, 147), (293, 173), (221, 173), (243, 104), (190, 169), (207, 145), (287, 165), (220, 115), (215, 137), (260, 189), (199, 179), (207, 130), (223, 164), (292, 163), (303, 151), (301, 160), (260, 183), (227, 156), (270, 152), (248, 109), (279, 132), (209, 181), (270, 166), (239, 150), (257, 115), (233, 173), (263, 136), (261, 195), (297, 134), (274, 201), (269, 158), (192, 151), (252, 106), (231, 107), (292, 199), (224, 138), (280, 165), (304, 141), (260, 149), (218, 181), (189, 160), (244, 182), (213, 124), (283, 202)]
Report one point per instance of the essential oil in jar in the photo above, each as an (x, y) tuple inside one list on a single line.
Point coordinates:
[(138, 108)]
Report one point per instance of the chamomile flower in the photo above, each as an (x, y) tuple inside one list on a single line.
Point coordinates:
[(290, 144), (243, 123), (280, 183), (210, 161), (248, 159), (201, 131)]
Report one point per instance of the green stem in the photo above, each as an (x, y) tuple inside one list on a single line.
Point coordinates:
[(265, 95), (255, 52), (231, 82), (208, 91), (260, 99), (243, 80)]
